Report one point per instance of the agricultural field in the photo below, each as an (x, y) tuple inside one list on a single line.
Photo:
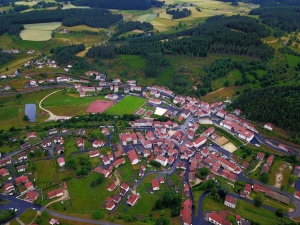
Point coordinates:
[(79, 28), (127, 105), (8, 113), (39, 31)]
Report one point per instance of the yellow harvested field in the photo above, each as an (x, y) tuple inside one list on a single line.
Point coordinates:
[(82, 54), (223, 92), (137, 31), (162, 24), (229, 147), (222, 140), (25, 3), (39, 31), (82, 27), (165, 15), (70, 6)]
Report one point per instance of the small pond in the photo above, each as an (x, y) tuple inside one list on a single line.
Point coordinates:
[(30, 111)]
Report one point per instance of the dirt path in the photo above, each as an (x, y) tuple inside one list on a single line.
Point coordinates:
[(278, 175), (118, 177), (19, 221), (258, 165), (51, 115), (66, 196), (38, 213)]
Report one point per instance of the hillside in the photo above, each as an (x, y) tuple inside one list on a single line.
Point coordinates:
[(279, 105)]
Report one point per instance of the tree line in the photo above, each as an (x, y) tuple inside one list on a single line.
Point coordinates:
[(132, 25), (177, 14), (13, 23), (277, 105), (5, 57), (115, 4), (66, 54)]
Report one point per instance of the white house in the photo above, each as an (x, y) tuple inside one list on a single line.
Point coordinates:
[(230, 201), (162, 160), (268, 126)]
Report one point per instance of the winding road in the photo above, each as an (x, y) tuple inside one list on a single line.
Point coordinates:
[(52, 117)]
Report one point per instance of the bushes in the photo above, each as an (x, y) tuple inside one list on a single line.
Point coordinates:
[(97, 215), (98, 181)]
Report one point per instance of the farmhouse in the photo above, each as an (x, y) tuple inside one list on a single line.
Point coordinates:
[(80, 142), (133, 157), (162, 160), (61, 161), (29, 186), (21, 180), (98, 143), (55, 193), (199, 141), (132, 199), (130, 137), (268, 126), (124, 188), (94, 153), (119, 162), (186, 212), (9, 187), (112, 186), (105, 172), (3, 172), (230, 201), (31, 196), (155, 185)]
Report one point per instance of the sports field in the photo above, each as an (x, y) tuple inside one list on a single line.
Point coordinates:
[(99, 106), (140, 111), (127, 105)]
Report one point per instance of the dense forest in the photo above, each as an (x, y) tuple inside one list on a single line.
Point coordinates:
[(153, 63), (12, 23), (66, 54), (115, 4), (213, 36), (177, 14), (279, 105), (283, 14), (102, 52), (5, 57), (132, 25)]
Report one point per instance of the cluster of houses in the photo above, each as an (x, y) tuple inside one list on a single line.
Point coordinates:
[(219, 218), (111, 202)]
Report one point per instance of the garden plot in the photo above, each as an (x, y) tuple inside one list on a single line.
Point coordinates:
[(38, 31)]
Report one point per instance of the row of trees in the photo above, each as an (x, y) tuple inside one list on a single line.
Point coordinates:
[(12, 23), (115, 4), (279, 105), (102, 51)]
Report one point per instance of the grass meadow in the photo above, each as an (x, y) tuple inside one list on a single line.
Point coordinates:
[(127, 105), (27, 216), (245, 210), (86, 199)]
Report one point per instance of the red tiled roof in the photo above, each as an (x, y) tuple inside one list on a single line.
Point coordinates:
[(132, 156), (155, 184)]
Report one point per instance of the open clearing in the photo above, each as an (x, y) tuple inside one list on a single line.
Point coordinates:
[(229, 147), (221, 140), (39, 31), (127, 105), (82, 27)]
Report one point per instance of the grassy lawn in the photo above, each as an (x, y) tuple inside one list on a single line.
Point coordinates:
[(8, 113), (196, 196), (146, 202), (127, 105), (273, 203), (27, 216), (245, 210), (70, 145), (45, 173), (278, 167), (127, 172), (64, 104), (86, 199), (134, 61)]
